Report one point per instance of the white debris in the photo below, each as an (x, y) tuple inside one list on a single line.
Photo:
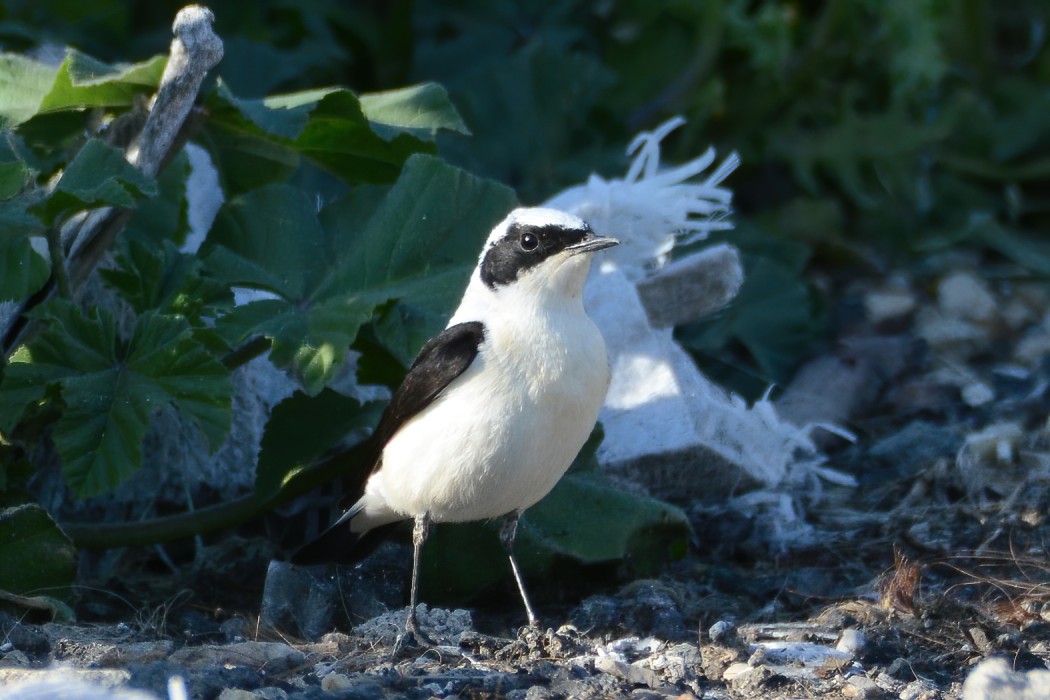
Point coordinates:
[(204, 196), (666, 424)]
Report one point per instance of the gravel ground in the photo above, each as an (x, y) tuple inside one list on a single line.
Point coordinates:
[(935, 563)]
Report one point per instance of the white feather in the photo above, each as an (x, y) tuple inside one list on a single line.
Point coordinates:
[(504, 432)]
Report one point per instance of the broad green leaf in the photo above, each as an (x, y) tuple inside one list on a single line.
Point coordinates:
[(29, 87), (22, 270), (164, 279), (38, 557), (112, 386), (422, 110), (23, 85), (330, 271), (13, 177), (776, 316), (528, 112), (164, 217), (359, 140), (301, 428), (585, 521), (98, 175)]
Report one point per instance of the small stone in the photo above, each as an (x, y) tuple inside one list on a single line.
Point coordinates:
[(863, 688), (965, 296), (299, 600), (736, 670), (275, 657), (14, 659), (852, 642), (335, 681), (920, 690), (978, 394), (901, 670), (237, 694), (271, 693), (888, 305), (722, 632)]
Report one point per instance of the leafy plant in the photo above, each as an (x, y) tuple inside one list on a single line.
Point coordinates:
[(887, 128), (340, 221)]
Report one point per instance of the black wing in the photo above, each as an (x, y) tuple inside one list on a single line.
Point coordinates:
[(444, 357)]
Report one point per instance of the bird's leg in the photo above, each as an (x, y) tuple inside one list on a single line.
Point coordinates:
[(506, 538), (420, 530)]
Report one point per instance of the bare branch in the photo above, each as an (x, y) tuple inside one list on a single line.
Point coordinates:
[(195, 50)]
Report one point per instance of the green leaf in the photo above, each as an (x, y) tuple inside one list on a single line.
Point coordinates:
[(111, 387), (98, 175), (329, 272), (529, 113), (164, 217), (24, 83), (37, 556), (301, 428), (29, 87), (22, 270), (165, 280), (359, 140), (776, 316), (421, 110), (13, 178), (585, 522)]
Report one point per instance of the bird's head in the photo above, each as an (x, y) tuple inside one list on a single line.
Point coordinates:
[(541, 253)]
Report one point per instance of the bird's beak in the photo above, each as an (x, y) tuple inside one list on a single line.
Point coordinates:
[(591, 243)]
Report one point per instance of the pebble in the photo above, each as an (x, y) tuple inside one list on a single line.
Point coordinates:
[(863, 688), (721, 632), (852, 642), (963, 295)]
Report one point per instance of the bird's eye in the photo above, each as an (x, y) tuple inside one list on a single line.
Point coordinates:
[(529, 242)]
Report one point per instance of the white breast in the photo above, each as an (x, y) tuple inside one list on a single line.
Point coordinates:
[(502, 434)]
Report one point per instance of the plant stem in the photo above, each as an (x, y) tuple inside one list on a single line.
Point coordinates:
[(351, 462), (58, 262)]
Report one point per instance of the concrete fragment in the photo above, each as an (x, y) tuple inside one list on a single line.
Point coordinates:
[(299, 600), (693, 287)]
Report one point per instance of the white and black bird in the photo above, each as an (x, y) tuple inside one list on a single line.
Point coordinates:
[(495, 408)]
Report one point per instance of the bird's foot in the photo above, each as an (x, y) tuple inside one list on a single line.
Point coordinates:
[(413, 634)]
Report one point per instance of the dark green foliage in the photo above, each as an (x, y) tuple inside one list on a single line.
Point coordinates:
[(897, 127)]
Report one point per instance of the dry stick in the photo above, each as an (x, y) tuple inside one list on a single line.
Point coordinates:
[(195, 50)]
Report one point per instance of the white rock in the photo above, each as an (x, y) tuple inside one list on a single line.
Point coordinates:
[(993, 679), (68, 684), (965, 296), (885, 305), (851, 642)]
